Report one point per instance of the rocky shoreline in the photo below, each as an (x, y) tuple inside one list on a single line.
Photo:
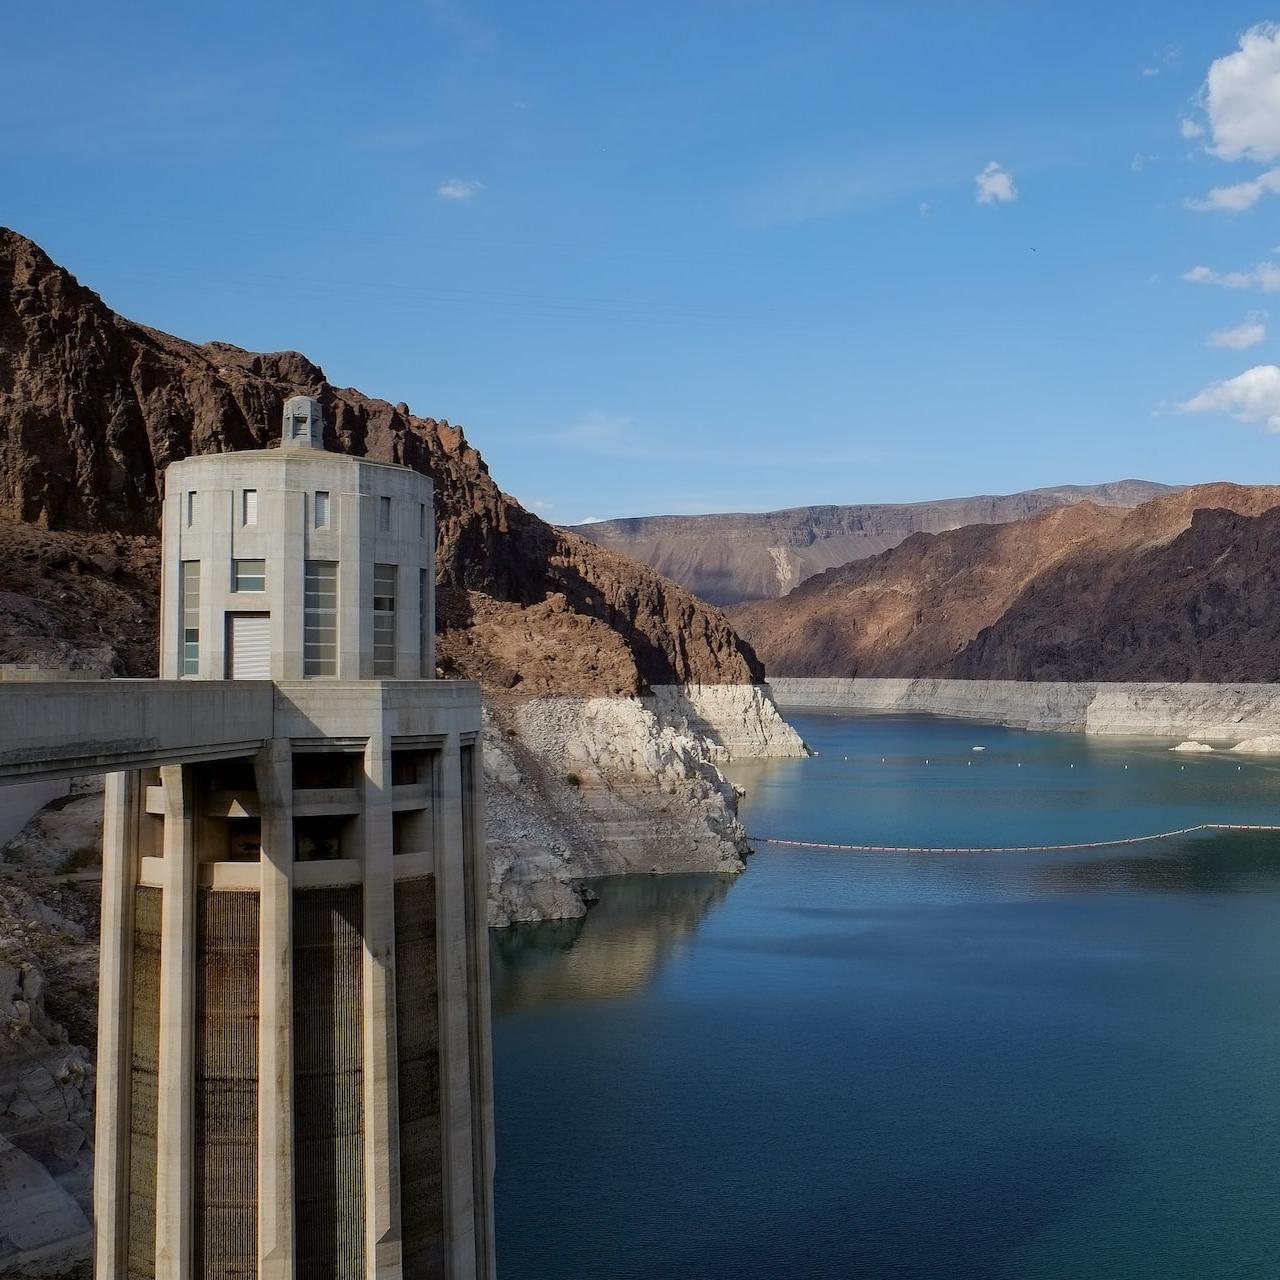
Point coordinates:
[(584, 787), (1222, 713)]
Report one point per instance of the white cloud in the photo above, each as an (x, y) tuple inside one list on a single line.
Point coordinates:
[(1242, 336), (591, 520), (1190, 129), (459, 188), (1252, 396), (1265, 276), (1140, 161), (925, 208), (995, 185), (1240, 196), (1242, 97)]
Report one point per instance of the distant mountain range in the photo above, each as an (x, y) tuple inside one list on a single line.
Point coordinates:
[(728, 559), (1185, 587)]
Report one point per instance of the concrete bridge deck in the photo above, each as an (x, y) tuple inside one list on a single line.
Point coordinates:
[(58, 729)]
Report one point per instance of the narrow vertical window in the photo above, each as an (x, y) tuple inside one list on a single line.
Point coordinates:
[(384, 619), (189, 608), (320, 619), (191, 508), (384, 514), (423, 646), (249, 506), (422, 519), (320, 508)]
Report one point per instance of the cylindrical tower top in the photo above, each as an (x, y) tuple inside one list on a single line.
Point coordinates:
[(303, 426), (297, 563)]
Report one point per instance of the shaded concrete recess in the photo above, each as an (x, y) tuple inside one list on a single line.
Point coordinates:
[(294, 1077)]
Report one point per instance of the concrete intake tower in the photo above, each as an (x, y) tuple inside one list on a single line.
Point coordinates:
[(294, 1054)]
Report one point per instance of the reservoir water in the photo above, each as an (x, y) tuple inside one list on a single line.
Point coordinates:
[(1030, 1066)]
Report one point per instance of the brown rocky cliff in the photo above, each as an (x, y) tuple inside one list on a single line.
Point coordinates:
[(93, 407), (1179, 588)]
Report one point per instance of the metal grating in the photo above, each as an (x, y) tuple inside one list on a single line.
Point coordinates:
[(144, 1083), (418, 1073), (226, 1085), (328, 1002)]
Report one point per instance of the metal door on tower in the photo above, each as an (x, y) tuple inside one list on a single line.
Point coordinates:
[(248, 646)]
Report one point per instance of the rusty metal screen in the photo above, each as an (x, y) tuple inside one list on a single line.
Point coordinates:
[(328, 998), (226, 1085), (144, 1082), (418, 1075)]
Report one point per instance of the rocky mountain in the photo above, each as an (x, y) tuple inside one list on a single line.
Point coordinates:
[(1184, 587), (93, 407), (729, 559)]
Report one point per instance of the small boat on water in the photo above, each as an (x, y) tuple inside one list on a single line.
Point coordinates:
[(977, 748)]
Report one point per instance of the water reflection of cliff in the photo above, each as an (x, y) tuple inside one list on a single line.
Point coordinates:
[(639, 923)]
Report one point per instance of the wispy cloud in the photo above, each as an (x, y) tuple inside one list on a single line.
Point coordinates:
[(1165, 59), (1140, 161), (828, 191), (1190, 129), (1264, 277), (995, 185), (1252, 396), (1240, 195), (611, 435), (1242, 336), (459, 189)]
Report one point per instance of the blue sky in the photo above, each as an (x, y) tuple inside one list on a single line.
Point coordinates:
[(696, 256)]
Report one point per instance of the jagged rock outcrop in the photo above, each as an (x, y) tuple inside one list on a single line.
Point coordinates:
[(1184, 587), (93, 407), (46, 1085), (728, 559)]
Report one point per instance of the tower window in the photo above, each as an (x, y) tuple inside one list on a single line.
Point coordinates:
[(320, 619), (250, 575), (384, 619), (249, 506), (189, 608), (422, 519), (320, 508), (191, 508), (384, 514), (424, 586)]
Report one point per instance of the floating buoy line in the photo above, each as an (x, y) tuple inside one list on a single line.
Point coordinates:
[(1015, 848)]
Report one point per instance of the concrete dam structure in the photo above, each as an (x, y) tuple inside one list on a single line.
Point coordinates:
[(294, 1077)]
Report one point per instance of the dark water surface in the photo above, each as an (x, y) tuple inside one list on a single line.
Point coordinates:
[(857, 1065)]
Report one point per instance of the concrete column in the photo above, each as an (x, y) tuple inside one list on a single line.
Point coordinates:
[(274, 769), (381, 1114), (455, 1029), (114, 1075), (175, 1136), (477, 873)]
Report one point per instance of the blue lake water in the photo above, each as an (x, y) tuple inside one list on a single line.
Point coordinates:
[(1042, 1066)]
